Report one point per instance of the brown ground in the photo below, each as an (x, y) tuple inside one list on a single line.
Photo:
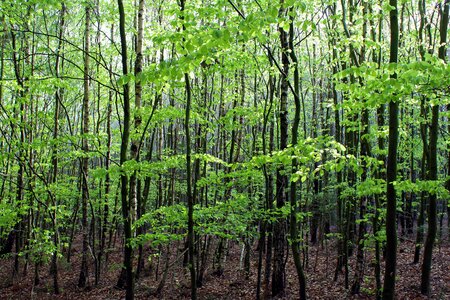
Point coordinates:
[(232, 284)]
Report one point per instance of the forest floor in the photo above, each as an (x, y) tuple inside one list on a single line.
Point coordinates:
[(232, 283)]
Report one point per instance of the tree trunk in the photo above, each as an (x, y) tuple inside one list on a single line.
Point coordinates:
[(134, 192), (432, 164), (58, 99), (365, 153), (84, 274), (127, 279), (391, 172), (279, 233), (189, 196), (293, 225)]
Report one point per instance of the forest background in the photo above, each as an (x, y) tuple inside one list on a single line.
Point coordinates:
[(181, 140)]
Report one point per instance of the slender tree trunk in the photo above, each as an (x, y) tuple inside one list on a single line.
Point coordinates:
[(135, 183), (84, 274), (338, 138), (127, 268), (58, 99), (423, 171), (379, 173), (107, 195), (190, 198), (279, 232), (134, 194), (268, 180), (432, 164), (423, 34), (293, 225), (391, 173), (365, 153)]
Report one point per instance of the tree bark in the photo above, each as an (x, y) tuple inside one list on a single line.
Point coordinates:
[(84, 272), (58, 99), (432, 164), (127, 268), (190, 198), (293, 225), (391, 172), (279, 233)]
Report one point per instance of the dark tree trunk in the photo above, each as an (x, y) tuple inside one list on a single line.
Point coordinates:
[(58, 99), (423, 171), (84, 274), (391, 172), (365, 153), (279, 233), (379, 174), (126, 278), (432, 165), (268, 180), (189, 195), (293, 225)]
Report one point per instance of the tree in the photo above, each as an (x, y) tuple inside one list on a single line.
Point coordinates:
[(83, 279), (391, 172), (189, 194), (432, 163), (278, 275), (58, 98), (126, 278), (293, 225)]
